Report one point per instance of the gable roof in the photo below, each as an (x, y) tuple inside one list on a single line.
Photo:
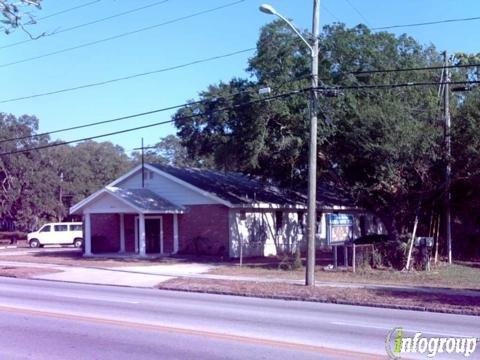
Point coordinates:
[(239, 189), (141, 200), (145, 200)]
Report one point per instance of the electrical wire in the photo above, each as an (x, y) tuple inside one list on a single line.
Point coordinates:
[(147, 28), (436, 67), (357, 11), (427, 23), (173, 107), (175, 67), (287, 94), (61, 31), (128, 77), (399, 85), (61, 12)]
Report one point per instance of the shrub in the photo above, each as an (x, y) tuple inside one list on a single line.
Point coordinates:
[(392, 253)]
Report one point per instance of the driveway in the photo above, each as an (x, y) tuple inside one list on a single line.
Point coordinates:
[(94, 273)]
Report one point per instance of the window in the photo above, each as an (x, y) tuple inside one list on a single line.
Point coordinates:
[(301, 221), (46, 228), (278, 220), (60, 227), (76, 227), (243, 215)]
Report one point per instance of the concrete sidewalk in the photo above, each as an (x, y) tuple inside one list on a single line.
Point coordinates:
[(151, 275), (138, 276)]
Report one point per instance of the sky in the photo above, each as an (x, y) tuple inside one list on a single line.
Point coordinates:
[(229, 29)]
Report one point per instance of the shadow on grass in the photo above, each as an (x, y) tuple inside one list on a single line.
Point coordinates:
[(427, 299), (472, 264)]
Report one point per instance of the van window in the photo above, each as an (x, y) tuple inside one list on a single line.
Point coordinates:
[(46, 228), (76, 227), (60, 227)]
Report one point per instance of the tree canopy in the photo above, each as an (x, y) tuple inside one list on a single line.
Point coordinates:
[(14, 11), (383, 146)]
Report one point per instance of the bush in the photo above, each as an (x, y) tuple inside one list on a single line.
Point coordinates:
[(371, 239), (290, 262), (392, 253)]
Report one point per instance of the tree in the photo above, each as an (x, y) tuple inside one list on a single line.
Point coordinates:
[(13, 13), (169, 151), (87, 167), (382, 146), (28, 181)]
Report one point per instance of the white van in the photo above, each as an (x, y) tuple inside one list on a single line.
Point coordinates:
[(67, 233)]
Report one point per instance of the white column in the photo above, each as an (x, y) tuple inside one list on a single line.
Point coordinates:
[(88, 235), (175, 233), (141, 235), (122, 234)]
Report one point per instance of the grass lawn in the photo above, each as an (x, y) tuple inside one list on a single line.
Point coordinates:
[(459, 275), (24, 272), (468, 305)]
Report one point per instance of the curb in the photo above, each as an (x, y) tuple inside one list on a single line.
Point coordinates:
[(332, 301)]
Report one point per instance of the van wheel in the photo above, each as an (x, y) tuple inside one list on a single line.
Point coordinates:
[(78, 243), (34, 243)]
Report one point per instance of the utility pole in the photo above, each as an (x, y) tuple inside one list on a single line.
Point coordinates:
[(143, 165), (60, 197), (312, 162), (448, 150)]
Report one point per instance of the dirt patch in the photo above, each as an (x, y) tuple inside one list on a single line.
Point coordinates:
[(24, 272), (368, 297)]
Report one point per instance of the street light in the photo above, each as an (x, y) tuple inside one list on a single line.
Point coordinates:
[(312, 162)]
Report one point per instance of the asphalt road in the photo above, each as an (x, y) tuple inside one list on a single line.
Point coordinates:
[(52, 320)]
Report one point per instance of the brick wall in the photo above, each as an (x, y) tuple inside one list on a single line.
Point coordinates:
[(129, 221), (105, 233), (204, 229), (167, 233)]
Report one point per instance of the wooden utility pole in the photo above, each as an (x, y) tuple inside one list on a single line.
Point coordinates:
[(448, 153), (312, 162)]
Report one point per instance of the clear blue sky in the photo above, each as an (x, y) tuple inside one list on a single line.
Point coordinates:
[(227, 30)]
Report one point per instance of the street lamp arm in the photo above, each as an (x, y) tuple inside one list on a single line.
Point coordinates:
[(289, 23)]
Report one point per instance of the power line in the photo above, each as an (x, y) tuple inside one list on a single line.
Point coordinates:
[(435, 67), (61, 31), (175, 67), (203, 12), (399, 85), (128, 77), (330, 12), (173, 107), (68, 10), (357, 11), (427, 23), (282, 95)]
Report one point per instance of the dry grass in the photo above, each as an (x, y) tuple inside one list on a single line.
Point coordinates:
[(458, 276), (24, 272), (384, 298)]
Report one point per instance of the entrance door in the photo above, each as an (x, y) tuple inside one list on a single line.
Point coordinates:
[(153, 236)]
